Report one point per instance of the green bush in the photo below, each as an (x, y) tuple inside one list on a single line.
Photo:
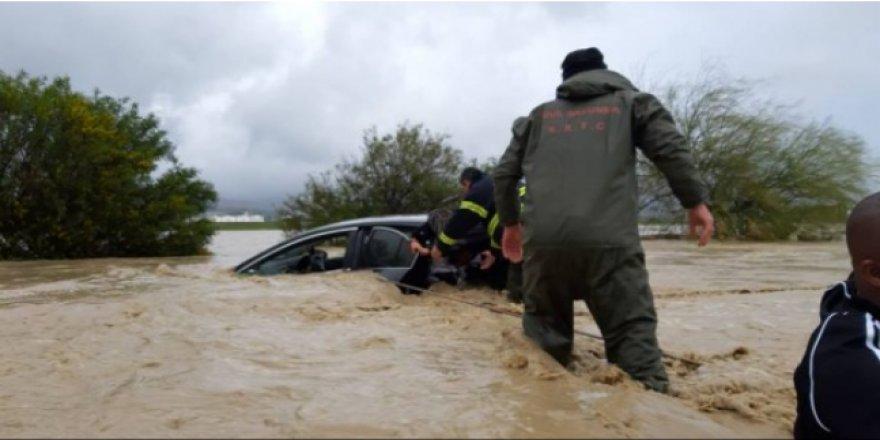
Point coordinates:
[(78, 178), (409, 171), (770, 174)]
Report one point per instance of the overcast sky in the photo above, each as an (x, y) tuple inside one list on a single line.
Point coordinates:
[(259, 95)]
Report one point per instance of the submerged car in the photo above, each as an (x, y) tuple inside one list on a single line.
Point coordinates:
[(380, 244)]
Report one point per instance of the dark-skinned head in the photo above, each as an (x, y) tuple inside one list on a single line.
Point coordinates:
[(863, 241), (469, 176)]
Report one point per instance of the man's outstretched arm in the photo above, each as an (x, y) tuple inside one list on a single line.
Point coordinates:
[(508, 173), (658, 137)]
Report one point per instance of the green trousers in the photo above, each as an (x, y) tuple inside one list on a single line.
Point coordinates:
[(614, 284)]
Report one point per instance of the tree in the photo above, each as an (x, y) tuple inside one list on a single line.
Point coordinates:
[(487, 166), (770, 176), (78, 177), (410, 171)]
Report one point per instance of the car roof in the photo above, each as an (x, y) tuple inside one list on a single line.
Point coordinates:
[(388, 220)]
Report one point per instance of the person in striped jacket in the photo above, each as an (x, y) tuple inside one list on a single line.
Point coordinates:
[(838, 379)]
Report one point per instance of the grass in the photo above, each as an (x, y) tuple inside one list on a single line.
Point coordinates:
[(246, 226)]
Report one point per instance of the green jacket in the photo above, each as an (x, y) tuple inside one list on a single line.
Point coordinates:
[(578, 156)]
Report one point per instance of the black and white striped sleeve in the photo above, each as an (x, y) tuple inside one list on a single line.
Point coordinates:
[(842, 389)]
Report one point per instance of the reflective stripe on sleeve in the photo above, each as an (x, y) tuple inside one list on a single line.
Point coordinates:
[(812, 377), (445, 239), (493, 225), (475, 208)]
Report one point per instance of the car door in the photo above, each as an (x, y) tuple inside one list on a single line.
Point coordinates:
[(386, 251)]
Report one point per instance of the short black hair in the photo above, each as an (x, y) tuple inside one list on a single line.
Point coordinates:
[(471, 174), (863, 229)]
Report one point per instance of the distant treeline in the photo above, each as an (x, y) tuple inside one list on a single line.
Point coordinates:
[(246, 226)]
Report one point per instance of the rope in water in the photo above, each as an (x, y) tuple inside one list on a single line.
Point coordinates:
[(489, 307)]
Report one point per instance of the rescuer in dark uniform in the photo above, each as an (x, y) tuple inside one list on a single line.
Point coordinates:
[(418, 277), (838, 380), (425, 236), (579, 231), (477, 209)]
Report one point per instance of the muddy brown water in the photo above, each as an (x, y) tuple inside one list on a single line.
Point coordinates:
[(180, 347)]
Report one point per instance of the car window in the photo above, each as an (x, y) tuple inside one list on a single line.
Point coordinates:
[(387, 248), (325, 253)]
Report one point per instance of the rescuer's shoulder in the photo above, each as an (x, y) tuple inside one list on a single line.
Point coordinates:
[(520, 127), (523, 124), (647, 107), (643, 99)]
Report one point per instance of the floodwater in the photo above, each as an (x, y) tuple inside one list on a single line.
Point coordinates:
[(180, 347)]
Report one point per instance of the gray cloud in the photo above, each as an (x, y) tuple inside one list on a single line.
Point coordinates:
[(259, 95)]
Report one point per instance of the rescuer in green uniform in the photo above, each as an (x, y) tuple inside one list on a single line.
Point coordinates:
[(578, 232), (514, 270)]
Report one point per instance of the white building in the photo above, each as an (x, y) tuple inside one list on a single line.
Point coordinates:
[(240, 218)]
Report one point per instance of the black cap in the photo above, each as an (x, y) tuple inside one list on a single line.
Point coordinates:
[(582, 60), (471, 174)]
